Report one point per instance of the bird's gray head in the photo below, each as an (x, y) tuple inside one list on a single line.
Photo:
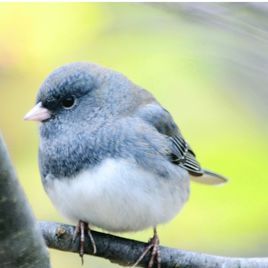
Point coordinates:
[(79, 92)]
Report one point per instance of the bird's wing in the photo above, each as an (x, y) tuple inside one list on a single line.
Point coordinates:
[(181, 153), (184, 156)]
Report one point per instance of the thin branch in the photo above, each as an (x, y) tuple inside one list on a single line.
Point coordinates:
[(21, 243), (126, 252)]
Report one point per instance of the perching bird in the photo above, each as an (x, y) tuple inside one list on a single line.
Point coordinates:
[(110, 155)]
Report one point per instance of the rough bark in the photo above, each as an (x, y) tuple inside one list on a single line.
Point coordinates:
[(21, 243), (126, 252)]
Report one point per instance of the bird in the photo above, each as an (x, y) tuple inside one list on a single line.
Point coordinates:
[(110, 156)]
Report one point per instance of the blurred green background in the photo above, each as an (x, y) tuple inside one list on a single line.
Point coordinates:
[(206, 63)]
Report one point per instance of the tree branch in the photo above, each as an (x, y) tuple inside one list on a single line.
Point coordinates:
[(21, 243), (126, 252)]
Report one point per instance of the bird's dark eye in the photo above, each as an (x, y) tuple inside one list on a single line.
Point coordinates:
[(68, 102)]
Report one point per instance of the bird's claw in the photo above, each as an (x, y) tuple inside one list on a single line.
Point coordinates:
[(153, 246), (82, 229)]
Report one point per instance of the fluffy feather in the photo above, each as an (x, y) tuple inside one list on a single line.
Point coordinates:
[(118, 195)]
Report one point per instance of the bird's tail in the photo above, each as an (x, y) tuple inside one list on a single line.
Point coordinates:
[(209, 178)]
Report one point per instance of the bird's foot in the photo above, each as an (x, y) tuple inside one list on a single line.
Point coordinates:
[(152, 247), (82, 229)]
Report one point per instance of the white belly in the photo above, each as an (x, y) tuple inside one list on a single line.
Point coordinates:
[(119, 196)]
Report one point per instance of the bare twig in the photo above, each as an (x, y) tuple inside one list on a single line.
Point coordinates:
[(21, 244), (126, 252)]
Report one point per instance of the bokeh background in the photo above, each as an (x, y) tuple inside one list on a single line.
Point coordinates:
[(206, 63)]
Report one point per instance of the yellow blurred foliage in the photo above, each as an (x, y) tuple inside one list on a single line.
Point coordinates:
[(177, 62)]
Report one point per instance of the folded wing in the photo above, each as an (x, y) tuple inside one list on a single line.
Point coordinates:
[(181, 153)]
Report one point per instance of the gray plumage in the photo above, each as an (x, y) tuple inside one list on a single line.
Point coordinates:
[(112, 118), (138, 126)]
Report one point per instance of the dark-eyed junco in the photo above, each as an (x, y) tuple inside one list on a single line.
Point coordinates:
[(110, 155)]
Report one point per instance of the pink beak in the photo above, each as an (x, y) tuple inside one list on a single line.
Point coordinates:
[(38, 113)]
